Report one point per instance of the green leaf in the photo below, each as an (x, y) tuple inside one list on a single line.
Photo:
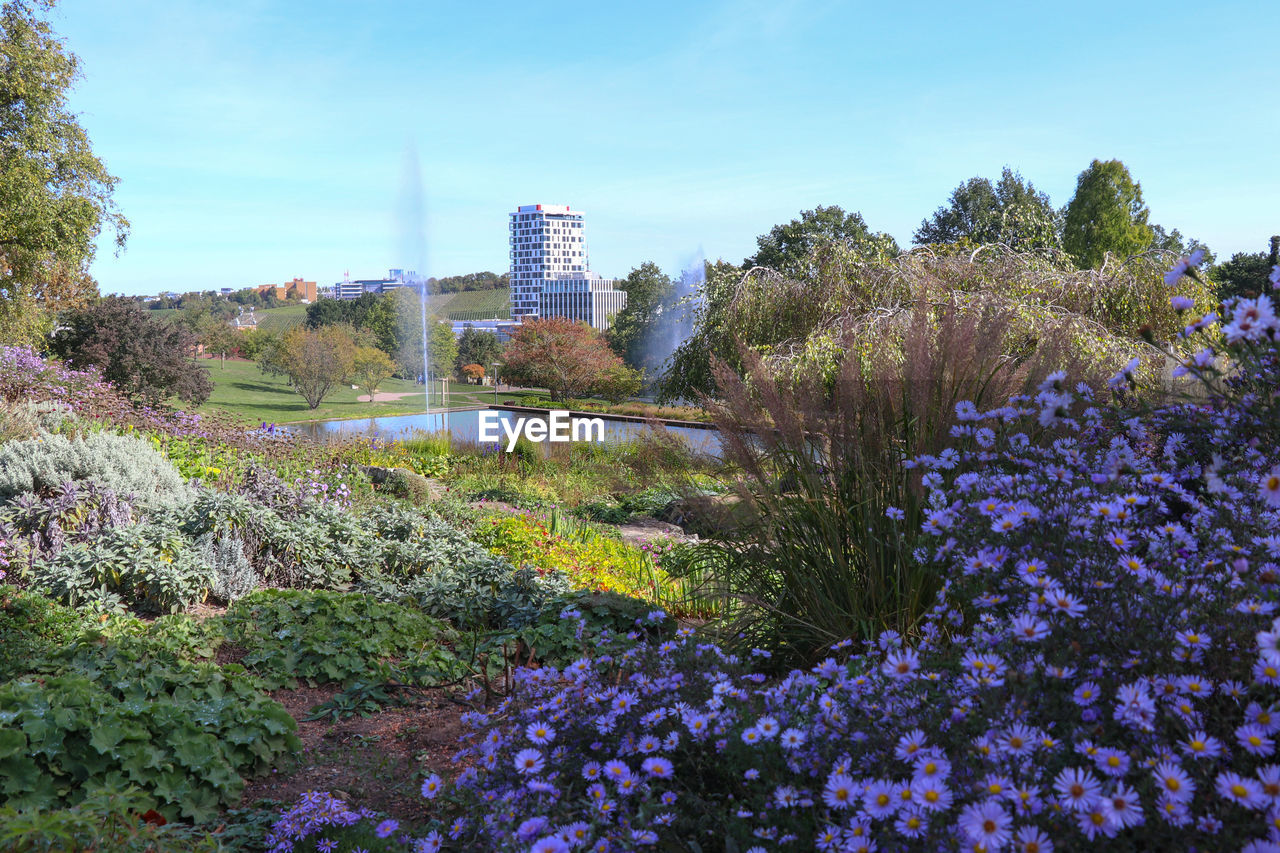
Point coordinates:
[(12, 742)]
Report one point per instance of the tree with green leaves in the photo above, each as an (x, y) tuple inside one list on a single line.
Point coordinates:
[(316, 360), (1246, 274), (55, 194), (476, 346), (1106, 214), (370, 366), (788, 249), (443, 348), (650, 302), (147, 358), (1012, 212)]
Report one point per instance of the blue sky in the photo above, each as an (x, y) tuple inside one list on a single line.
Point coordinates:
[(256, 141)]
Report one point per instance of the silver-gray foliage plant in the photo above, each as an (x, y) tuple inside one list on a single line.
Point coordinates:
[(123, 463), (233, 574)]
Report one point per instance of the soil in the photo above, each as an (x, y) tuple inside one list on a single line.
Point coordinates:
[(377, 761), (642, 530)]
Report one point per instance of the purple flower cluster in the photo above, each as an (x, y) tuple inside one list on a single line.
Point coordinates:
[(322, 822), (26, 375), (315, 487), (1101, 669)]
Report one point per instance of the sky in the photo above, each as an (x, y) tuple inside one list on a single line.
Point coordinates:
[(258, 141)]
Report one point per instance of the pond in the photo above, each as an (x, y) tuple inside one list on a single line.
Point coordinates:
[(465, 424)]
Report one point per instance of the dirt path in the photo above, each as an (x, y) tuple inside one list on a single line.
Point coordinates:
[(388, 396), (377, 761)]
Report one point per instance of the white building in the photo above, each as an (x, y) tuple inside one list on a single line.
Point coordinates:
[(550, 273), (585, 297)]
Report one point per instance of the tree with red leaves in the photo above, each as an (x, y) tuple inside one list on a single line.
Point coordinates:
[(566, 357)]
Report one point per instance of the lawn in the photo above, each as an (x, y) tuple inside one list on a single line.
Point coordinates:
[(239, 388)]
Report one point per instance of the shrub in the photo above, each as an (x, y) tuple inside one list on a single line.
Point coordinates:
[(129, 711), (233, 574), (149, 567), (31, 628), (319, 636), (588, 561), (124, 464), (40, 526), (111, 821)]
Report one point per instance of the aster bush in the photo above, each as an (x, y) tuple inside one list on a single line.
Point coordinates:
[(1101, 668), (323, 823)]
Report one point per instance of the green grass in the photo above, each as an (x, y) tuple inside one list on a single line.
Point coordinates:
[(239, 388)]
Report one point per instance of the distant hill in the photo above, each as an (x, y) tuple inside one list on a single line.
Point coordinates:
[(281, 319), (471, 304)]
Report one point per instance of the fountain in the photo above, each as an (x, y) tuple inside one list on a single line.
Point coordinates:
[(413, 247)]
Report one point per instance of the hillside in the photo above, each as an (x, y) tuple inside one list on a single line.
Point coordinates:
[(471, 304)]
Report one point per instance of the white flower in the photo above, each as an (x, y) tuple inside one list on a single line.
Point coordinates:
[(1250, 319), (1182, 267), (1274, 277), (1269, 487)]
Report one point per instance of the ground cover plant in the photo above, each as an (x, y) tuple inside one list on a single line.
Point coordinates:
[(119, 511)]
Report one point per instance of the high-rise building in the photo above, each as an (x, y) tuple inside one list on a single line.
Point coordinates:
[(550, 273)]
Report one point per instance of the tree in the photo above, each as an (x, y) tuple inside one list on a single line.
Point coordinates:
[(317, 359), (253, 342), (473, 373), (477, 347), (650, 298), (619, 382), (1106, 214), (369, 367), (55, 194), (1245, 274), (562, 355), (148, 359), (1012, 212), (788, 248), (443, 348)]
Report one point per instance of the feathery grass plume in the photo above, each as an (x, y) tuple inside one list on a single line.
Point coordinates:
[(816, 557)]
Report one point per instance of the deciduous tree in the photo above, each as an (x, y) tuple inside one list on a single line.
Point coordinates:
[(788, 248), (476, 346), (618, 383), (1247, 272), (566, 357), (1012, 212), (316, 360), (55, 194), (369, 367), (149, 359), (650, 298)]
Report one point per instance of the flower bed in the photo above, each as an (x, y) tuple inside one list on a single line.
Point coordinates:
[(1101, 670)]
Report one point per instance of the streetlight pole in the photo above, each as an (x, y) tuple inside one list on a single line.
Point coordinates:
[(495, 365)]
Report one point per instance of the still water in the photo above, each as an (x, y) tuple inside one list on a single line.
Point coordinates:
[(465, 425)]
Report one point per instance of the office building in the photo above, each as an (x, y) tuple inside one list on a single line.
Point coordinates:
[(585, 297), (550, 272)]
